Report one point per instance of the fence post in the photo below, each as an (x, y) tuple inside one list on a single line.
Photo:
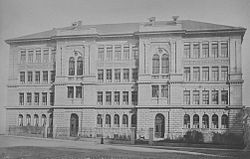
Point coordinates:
[(151, 132)]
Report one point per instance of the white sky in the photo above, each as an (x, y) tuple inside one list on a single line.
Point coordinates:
[(22, 17)]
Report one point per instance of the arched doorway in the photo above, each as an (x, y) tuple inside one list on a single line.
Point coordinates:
[(74, 120), (159, 126)]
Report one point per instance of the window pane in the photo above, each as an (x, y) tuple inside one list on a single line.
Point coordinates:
[(126, 75), (126, 52), (70, 92), (224, 73), (156, 64), (46, 55), (224, 50), (215, 95), (205, 73), (108, 98), (100, 98), (205, 50), (125, 97), (117, 98), (164, 91), (196, 97), (109, 54), (101, 53), (187, 74), (165, 64), (109, 75), (215, 73), (196, 50), (215, 50), (205, 97), (44, 98), (117, 75), (118, 52), (22, 77), (100, 75), (38, 55), (186, 97), (187, 49), (224, 97), (196, 73), (71, 66), (78, 92), (155, 91)]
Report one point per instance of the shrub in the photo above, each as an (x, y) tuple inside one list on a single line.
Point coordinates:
[(193, 137), (228, 139)]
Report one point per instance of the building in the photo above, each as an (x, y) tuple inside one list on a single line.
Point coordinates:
[(88, 80)]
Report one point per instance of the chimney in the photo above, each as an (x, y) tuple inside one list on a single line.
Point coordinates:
[(175, 18)]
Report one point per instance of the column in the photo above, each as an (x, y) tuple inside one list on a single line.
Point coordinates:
[(219, 96), (41, 55), (200, 43), (219, 121), (49, 54), (210, 96), (191, 96), (105, 52), (191, 73), (200, 120), (201, 74), (191, 120), (209, 73), (48, 98)]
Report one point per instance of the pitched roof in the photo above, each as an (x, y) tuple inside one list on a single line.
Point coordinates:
[(130, 28)]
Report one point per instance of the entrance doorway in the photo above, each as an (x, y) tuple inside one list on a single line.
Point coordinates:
[(159, 126), (74, 120)]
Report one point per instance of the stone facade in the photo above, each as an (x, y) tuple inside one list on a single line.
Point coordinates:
[(170, 76)]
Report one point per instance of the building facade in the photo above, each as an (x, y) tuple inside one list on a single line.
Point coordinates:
[(90, 80)]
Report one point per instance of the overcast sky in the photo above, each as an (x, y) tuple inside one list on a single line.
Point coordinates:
[(22, 17)]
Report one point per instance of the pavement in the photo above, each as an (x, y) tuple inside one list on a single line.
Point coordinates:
[(11, 141)]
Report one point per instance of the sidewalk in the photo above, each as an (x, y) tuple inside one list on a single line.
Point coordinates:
[(11, 141)]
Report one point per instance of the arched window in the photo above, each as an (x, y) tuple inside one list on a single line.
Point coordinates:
[(108, 120), (36, 120), (99, 120), (116, 120), (196, 121), (20, 120), (79, 66), (71, 66), (186, 121), (164, 64), (28, 120), (215, 121), (159, 126), (44, 120), (125, 120), (133, 120), (205, 121), (224, 121), (156, 64)]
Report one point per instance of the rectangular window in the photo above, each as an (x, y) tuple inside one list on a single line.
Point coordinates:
[(126, 52), (134, 97), (215, 95), (205, 73), (23, 57), (38, 56), (117, 52), (135, 74), (186, 97), (126, 75), (109, 54), (186, 73), (101, 53), (135, 52), (117, 98), (224, 97), (46, 55), (45, 76), (29, 98), (53, 55), (196, 50), (164, 91), (215, 50), (22, 77), (37, 77), (52, 98), (224, 50), (78, 92), (30, 56), (100, 75), (44, 98), (224, 73), (117, 75), (196, 97), (187, 49), (196, 74), (36, 98), (100, 98), (52, 76), (215, 73), (205, 97), (205, 50), (70, 92), (125, 97), (109, 75), (108, 98), (21, 98), (155, 91), (30, 75)]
